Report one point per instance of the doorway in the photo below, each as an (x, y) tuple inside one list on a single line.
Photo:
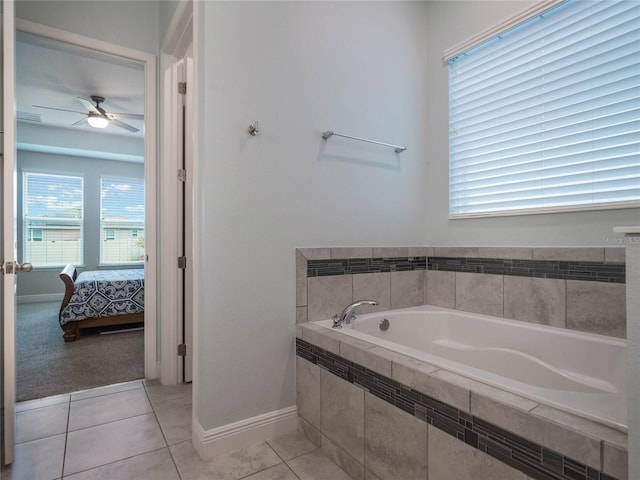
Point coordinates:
[(55, 141)]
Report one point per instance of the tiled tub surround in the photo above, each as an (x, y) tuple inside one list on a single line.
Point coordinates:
[(345, 415), (382, 415), (575, 288)]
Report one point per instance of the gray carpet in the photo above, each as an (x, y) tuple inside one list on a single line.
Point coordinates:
[(46, 365)]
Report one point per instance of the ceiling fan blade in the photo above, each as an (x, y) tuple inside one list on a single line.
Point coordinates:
[(132, 116), (89, 106), (126, 126), (79, 122), (59, 109)]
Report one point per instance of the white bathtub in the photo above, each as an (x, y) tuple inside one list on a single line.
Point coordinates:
[(574, 371)]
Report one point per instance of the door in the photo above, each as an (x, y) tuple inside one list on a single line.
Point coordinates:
[(8, 233)]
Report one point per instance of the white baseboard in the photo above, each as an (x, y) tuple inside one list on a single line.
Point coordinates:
[(44, 297), (241, 434)]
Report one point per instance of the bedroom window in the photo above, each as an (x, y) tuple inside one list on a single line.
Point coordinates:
[(122, 214), (544, 116), (53, 219)]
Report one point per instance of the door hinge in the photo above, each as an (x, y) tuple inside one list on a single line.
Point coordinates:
[(182, 175), (182, 350), (182, 88), (182, 262)]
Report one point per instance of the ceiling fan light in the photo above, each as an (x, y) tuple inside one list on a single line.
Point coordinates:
[(98, 122)]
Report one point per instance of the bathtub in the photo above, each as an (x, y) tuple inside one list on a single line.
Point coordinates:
[(574, 371)]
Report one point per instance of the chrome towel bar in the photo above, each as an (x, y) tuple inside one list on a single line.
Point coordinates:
[(328, 134)]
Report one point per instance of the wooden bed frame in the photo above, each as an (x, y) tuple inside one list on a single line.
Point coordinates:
[(71, 329)]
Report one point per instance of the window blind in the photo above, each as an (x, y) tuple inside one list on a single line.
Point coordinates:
[(52, 219), (122, 221), (546, 116)]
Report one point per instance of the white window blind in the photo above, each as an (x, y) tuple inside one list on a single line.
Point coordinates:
[(546, 116), (122, 221), (52, 219)]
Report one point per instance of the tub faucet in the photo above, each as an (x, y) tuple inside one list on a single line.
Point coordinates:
[(349, 313)]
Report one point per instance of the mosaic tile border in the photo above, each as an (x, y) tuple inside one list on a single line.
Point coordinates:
[(532, 459), (563, 270), (348, 266), (556, 269)]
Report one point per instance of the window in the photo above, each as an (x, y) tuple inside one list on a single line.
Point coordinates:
[(545, 116), (53, 213), (35, 234), (122, 214)]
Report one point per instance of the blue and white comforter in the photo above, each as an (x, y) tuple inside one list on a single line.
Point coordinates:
[(105, 293)]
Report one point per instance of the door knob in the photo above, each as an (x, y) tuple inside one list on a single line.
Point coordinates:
[(23, 267)]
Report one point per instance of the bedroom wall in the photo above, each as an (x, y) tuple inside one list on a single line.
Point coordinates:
[(43, 283), (593, 228), (298, 68)]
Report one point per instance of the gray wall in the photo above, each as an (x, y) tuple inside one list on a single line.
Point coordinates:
[(448, 24), (133, 24), (298, 68), (44, 280)]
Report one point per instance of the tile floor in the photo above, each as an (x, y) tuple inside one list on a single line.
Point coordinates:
[(142, 431)]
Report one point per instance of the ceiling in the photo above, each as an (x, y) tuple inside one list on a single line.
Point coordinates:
[(54, 74)]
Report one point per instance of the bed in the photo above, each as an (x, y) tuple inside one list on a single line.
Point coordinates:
[(100, 298)]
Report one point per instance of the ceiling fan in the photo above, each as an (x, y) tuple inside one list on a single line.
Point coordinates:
[(97, 117)]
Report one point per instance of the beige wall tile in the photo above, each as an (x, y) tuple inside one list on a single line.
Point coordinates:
[(584, 254), (395, 442), (615, 461), (366, 358), (597, 307), (479, 293), (441, 288), (478, 388), (580, 447), (537, 300), (373, 286), (328, 296), (582, 425), (407, 289), (450, 458), (308, 391), (301, 315), (390, 252), (315, 253), (406, 369), (301, 280), (352, 252), (614, 255), (342, 414), (521, 253)]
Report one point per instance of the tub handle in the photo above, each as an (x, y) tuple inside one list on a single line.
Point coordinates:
[(336, 321)]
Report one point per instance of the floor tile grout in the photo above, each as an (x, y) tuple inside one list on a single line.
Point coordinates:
[(173, 394)]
